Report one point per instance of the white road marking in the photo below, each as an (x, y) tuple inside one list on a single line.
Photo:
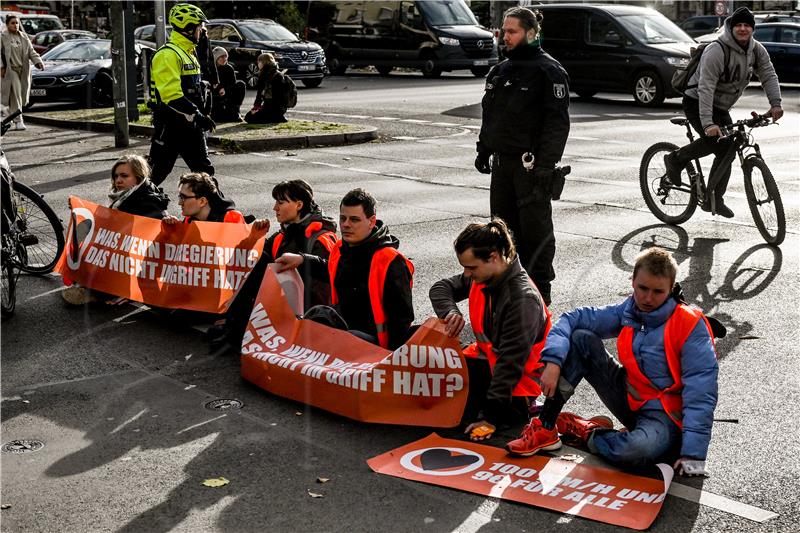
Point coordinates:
[(128, 421), (414, 121), (59, 289), (184, 430), (141, 309), (721, 503), (483, 514)]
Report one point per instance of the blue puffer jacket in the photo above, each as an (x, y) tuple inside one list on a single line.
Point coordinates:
[(698, 360)]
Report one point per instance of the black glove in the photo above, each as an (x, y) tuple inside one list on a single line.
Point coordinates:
[(204, 122), (482, 163)]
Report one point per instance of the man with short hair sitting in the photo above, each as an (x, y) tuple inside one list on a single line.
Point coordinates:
[(200, 199), (662, 386), (370, 280)]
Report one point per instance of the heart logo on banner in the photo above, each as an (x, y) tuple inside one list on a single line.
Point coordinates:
[(441, 458)]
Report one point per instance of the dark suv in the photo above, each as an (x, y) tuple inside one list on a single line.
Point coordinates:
[(245, 40), (701, 24)]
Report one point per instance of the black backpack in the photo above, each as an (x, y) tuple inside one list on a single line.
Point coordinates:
[(289, 92), (681, 77)]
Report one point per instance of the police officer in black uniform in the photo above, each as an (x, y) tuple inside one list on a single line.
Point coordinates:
[(177, 92), (524, 131)]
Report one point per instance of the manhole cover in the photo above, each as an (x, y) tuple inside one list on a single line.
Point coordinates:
[(224, 404), (22, 446)]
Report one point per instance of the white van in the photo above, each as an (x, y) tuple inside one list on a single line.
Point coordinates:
[(33, 23)]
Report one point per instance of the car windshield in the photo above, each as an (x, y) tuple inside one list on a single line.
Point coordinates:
[(261, 31), (80, 51), (654, 29), (448, 13)]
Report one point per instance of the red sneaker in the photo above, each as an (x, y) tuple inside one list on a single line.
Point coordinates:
[(575, 426), (534, 438)]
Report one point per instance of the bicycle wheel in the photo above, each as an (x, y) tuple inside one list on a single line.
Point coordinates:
[(37, 219), (8, 296), (669, 202), (764, 200)]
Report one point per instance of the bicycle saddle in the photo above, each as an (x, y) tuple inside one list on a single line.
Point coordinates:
[(680, 121)]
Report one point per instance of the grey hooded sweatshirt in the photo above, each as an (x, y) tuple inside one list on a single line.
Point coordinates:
[(711, 90)]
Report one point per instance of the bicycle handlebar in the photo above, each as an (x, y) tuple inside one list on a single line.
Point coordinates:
[(756, 121)]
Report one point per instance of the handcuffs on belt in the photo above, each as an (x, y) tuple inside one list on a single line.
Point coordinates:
[(527, 161)]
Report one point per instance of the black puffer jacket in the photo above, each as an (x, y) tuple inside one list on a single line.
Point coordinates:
[(146, 201), (526, 107), (514, 321), (352, 286)]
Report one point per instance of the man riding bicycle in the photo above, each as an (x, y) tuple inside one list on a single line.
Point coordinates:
[(725, 69)]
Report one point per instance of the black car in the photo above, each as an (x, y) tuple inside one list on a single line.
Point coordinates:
[(79, 71), (782, 41), (147, 34), (701, 24), (47, 40), (245, 40)]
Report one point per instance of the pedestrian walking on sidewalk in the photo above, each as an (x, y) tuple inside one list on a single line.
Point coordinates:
[(17, 56), (524, 130)]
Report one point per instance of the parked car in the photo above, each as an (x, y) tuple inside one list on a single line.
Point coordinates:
[(781, 17), (782, 41), (246, 39), (147, 34), (33, 23), (701, 25), (616, 48), (79, 71), (432, 36), (45, 40)]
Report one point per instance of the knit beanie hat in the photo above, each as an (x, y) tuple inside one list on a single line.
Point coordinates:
[(743, 16), (218, 52)]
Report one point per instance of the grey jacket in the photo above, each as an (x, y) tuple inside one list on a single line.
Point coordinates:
[(516, 322), (708, 86)]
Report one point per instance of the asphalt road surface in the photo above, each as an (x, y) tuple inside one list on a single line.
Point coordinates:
[(117, 396)]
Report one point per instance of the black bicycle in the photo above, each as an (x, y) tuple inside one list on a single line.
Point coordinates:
[(32, 234), (675, 203)]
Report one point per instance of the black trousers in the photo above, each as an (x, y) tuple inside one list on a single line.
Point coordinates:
[(480, 378), (226, 108), (173, 137), (525, 206), (704, 145)]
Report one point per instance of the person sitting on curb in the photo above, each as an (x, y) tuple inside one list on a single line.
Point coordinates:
[(304, 229), (510, 321), (663, 388), (228, 95), (370, 280), (271, 93), (131, 192)]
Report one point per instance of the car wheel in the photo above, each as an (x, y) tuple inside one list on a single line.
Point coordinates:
[(102, 90), (335, 66), (647, 89), (384, 70), (311, 83), (585, 94), (430, 67), (479, 72), (251, 73)]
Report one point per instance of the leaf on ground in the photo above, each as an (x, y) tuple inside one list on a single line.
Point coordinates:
[(216, 482), (748, 337), (315, 494), (298, 413), (323, 479), (5, 506)]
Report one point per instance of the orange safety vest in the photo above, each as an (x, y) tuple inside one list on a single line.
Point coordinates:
[(640, 389), (528, 384), (231, 216), (313, 233), (378, 269)]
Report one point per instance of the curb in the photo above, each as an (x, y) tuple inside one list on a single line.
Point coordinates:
[(365, 134)]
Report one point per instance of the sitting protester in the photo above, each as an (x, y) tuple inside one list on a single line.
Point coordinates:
[(304, 229), (510, 321), (228, 94), (662, 386), (271, 93), (200, 199), (370, 280), (131, 192)]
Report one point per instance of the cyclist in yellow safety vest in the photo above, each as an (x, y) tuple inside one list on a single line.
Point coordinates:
[(176, 91)]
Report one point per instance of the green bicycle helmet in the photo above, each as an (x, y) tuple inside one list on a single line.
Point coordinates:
[(183, 15)]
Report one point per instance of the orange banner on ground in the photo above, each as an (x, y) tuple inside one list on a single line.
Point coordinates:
[(591, 492), (197, 266), (422, 383)]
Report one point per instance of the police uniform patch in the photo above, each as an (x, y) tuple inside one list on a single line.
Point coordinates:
[(559, 90)]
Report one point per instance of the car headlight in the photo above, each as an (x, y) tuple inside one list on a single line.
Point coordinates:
[(679, 62), (449, 41), (73, 79)]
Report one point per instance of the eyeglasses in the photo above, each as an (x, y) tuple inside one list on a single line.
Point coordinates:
[(182, 197)]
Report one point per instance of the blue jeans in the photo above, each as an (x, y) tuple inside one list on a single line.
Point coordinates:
[(650, 434)]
